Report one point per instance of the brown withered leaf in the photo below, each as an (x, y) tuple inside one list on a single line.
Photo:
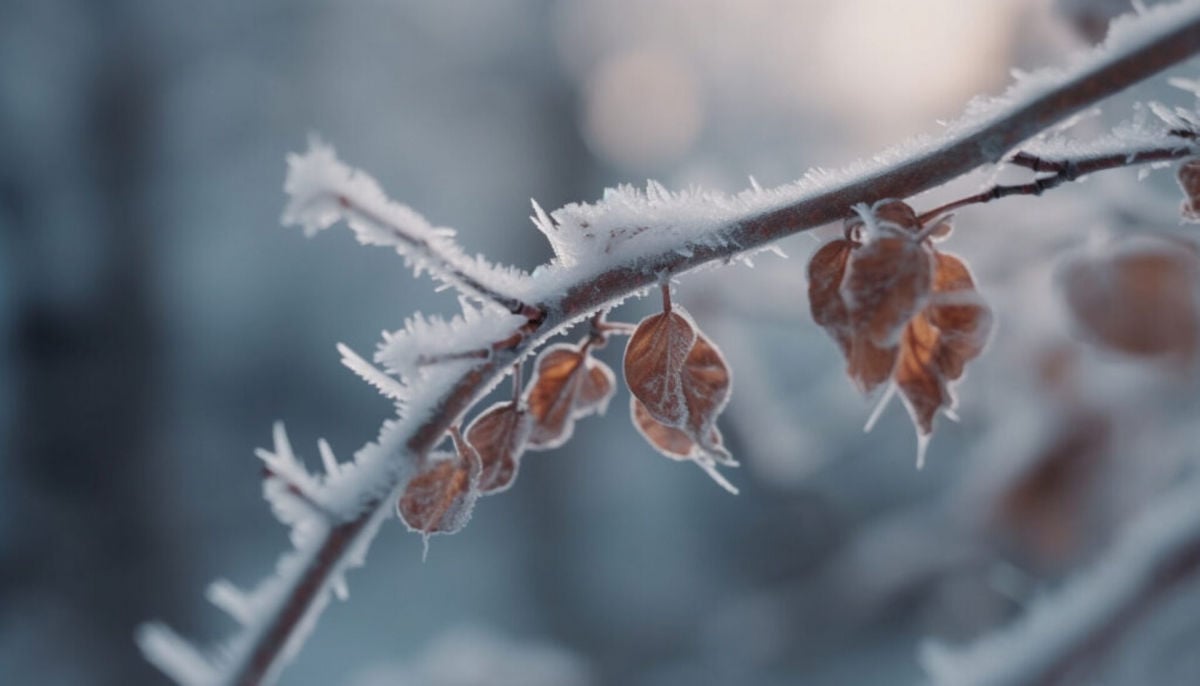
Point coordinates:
[(439, 499), (669, 441), (826, 269), (897, 213), (678, 445), (499, 434), (960, 316), (568, 384), (1189, 181), (938, 342), (597, 388), (683, 391), (887, 281), (654, 362), (870, 365), (706, 386), (1139, 297), (917, 375)]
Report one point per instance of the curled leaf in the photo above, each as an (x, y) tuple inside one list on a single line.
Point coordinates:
[(887, 282), (962, 319), (937, 343), (706, 386), (870, 365), (684, 388), (654, 359), (896, 213), (568, 384), (680, 383), (439, 499), (1139, 297), (499, 435), (1189, 181), (917, 374), (826, 270), (676, 444), (668, 440)]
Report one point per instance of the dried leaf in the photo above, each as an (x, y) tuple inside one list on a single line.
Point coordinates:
[(654, 360), (1189, 181), (1139, 297), (887, 282), (568, 384), (962, 319), (897, 213), (870, 365), (917, 376), (439, 499), (937, 344), (680, 383), (678, 445), (597, 388), (706, 386), (669, 441), (826, 270), (499, 435)]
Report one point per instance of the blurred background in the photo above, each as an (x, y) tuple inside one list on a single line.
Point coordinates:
[(155, 320)]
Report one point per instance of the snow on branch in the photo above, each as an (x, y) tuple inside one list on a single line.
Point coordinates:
[(606, 252), (323, 190), (1155, 552)]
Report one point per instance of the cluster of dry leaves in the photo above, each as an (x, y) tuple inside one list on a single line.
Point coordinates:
[(679, 384), (901, 311), (904, 314)]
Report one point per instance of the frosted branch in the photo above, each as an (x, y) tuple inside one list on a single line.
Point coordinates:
[(323, 190), (606, 252)]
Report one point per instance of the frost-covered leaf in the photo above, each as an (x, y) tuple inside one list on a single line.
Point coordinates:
[(654, 359), (1189, 181), (499, 435), (679, 376), (826, 269), (917, 376), (962, 319), (1138, 296), (939, 341), (679, 381), (678, 445), (668, 440), (568, 384), (887, 282), (706, 386), (870, 365), (439, 499)]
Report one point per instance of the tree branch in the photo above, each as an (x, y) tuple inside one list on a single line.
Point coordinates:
[(1062, 171), (573, 292)]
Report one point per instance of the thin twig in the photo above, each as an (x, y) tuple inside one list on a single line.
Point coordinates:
[(1061, 171), (444, 264)]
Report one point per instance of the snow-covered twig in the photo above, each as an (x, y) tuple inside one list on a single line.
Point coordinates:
[(323, 190), (606, 252), (1061, 632)]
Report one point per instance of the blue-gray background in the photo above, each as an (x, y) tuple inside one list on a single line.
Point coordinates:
[(155, 320)]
